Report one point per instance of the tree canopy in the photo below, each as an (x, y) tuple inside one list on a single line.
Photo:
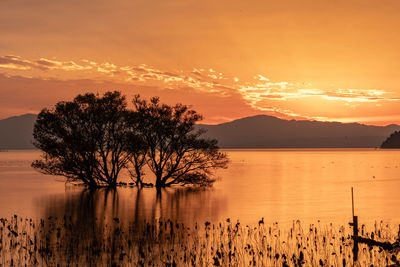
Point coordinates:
[(176, 152), (93, 138), (84, 140)]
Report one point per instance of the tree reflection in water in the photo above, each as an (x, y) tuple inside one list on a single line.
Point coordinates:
[(96, 226), (92, 228)]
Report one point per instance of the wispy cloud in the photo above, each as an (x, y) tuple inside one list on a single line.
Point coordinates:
[(198, 78), (283, 91), (259, 92), (16, 62)]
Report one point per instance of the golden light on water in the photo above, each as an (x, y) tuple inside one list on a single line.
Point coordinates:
[(313, 60)]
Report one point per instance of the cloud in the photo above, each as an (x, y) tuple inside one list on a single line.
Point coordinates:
[(258, 92), (31, 94), (359, 95), (261, 78), (197, 71), (16, 62), (283, 91), (206, 81)]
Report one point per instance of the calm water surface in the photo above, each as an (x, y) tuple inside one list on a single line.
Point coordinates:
[(279, 185)]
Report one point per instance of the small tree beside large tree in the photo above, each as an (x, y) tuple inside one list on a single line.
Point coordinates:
[(176, 152)]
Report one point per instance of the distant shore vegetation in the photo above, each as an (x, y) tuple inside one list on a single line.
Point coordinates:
[(93, 139), (393, 141)]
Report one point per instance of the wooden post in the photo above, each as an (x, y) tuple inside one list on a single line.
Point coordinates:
[(355, 229), (370, 242), (352, 202), (355, 238)]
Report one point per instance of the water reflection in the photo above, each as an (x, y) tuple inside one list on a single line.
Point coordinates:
[(279, 185), (81, 223), (133, 205)]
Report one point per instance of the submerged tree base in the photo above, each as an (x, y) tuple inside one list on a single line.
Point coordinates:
[(141, 185), (62, 241)]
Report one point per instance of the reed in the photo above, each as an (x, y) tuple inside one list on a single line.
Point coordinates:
[(66, 242)]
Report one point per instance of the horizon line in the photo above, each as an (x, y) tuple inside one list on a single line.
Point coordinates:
[(342, 121)]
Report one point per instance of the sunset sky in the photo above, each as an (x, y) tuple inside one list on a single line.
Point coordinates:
[(331, 60)]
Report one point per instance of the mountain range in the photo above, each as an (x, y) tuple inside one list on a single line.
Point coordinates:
[(263, 131), (259, 131), (16, 132)]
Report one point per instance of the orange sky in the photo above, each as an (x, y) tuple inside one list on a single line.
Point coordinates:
[(326, 60)]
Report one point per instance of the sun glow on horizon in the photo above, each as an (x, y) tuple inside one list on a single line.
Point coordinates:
[(260, 94), (227, 60)]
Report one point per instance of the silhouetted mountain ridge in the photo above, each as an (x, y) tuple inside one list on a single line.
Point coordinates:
[(16, 132), (264, 131), (260, 131)]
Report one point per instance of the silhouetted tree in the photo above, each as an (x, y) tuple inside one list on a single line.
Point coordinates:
[(92, 138), (137, 148), (84, 140), (176, 152), (393, 141)]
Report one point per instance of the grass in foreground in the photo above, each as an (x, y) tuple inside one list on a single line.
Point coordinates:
[(68, 242)]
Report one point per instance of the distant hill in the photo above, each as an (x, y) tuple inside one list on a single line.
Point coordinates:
[(270, 132), (16, 132), (393, 141), (251, 132)]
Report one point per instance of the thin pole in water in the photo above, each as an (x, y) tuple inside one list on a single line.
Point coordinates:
[(352, 201), (355, 229)]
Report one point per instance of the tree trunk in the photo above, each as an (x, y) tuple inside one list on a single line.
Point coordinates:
[(139, 181), (112, 184), (112, 181), (159, 182), (92, 184)]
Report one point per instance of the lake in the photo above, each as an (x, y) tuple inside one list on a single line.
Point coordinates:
[(280, 185)]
